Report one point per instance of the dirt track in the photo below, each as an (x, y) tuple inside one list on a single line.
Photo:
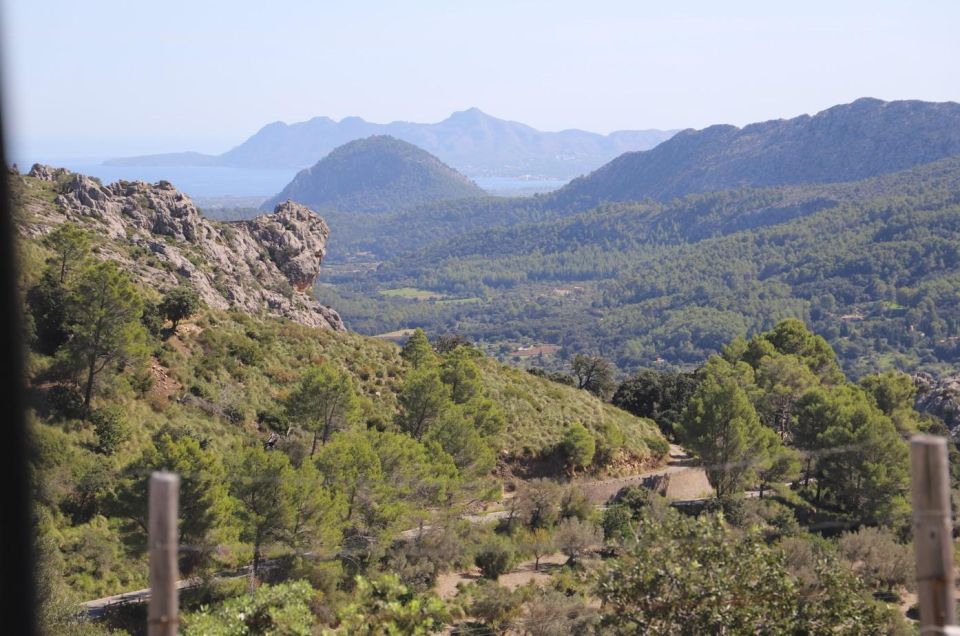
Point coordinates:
[(522, 574), (685, 481)]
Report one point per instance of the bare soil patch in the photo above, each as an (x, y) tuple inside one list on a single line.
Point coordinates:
[(163, 385), (522, 574)]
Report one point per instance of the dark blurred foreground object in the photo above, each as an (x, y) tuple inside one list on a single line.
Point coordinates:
[(17, 596)]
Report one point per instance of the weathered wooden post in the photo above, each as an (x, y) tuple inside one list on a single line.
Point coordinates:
[(932, 534), (164, 495)]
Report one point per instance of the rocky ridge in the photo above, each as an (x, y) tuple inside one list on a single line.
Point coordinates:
[(848, 142), (265, 265)]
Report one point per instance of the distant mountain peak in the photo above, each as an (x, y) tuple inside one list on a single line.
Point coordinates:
[(374, 174), (473, 111), (471, 116)]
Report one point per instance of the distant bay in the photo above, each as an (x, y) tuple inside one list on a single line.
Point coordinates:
[(208, 182)]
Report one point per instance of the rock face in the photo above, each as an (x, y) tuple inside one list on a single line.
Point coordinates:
[(264, 265), (940, 398), (296, 240)]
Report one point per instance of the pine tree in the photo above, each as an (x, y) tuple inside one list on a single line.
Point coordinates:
[(325, 402), (206, 508), (106, 328), (722, 427), (317, 513), (423, 399), (417, 350), (261, 481), (459, 371), (70, 245)]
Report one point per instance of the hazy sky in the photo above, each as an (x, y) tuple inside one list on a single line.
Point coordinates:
[(114, 77)]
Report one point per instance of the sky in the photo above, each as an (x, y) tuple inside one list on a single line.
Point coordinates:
[(107, 78)]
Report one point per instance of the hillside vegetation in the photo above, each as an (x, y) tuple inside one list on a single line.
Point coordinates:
[(849, 142), (356, 478), (846, 143), (376, 174), (872, 265), (349, 439)]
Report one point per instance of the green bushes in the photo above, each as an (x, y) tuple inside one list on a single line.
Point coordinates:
[(271, 609), (66, 400), (578, 446), (177, 304), (111, 426), (495, 557)]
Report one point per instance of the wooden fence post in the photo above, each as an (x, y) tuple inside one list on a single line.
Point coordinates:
[(164, 494), (932, 534)]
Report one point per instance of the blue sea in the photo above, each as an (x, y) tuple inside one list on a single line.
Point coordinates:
[(197, 182), (249, 182)]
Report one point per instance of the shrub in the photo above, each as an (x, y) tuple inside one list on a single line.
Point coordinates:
[(496, 606), (539, 503), (274, 419), (609, 439), (66, 400), (617, 524), (574, 503), (271, 609), (877, 558), (110, 424), (575, 537), (578, 445), (151, 318), (495, 558), (245, 350), (235, 413)]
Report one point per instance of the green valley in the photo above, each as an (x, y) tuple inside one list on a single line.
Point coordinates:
[(640, 283)]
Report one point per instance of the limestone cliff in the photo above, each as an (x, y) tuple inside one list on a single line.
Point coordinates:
[(264, 265)]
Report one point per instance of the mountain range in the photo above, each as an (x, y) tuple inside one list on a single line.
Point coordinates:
[(376, 174), (846, 219), (866, 138), (471, 141)]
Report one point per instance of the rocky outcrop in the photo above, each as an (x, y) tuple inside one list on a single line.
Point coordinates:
[(264, 265), (47, 173), (940, 398), (296, 240)]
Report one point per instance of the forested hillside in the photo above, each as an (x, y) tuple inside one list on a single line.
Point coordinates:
[(848, 142), (332, 481), (290, 439), (872, 265), (376, 174)]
